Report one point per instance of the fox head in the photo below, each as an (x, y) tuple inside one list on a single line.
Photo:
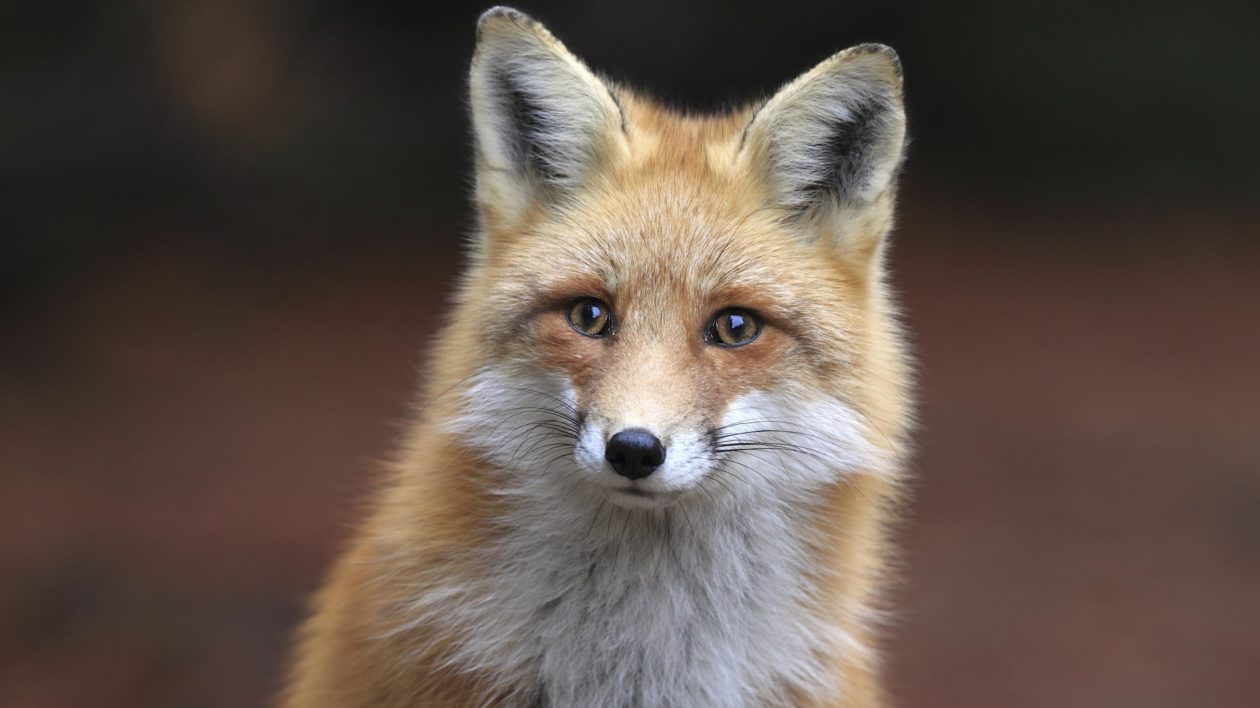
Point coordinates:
[(663, 306)]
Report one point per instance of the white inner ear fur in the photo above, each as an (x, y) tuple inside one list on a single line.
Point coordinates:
[(541, 118), (797, 137)]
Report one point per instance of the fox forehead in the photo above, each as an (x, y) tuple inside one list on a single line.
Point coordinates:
[(667, 238)]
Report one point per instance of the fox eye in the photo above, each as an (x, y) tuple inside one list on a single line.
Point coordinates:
[(590, 317), (734, 327)]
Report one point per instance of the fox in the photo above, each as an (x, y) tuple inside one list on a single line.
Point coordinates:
[(661, 446)]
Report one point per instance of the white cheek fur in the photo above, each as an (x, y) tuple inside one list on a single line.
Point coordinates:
[(590, 448)]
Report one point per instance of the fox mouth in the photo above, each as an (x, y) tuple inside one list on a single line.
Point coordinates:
[(637, 497), (636, 492)]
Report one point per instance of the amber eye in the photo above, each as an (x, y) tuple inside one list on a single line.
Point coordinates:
[(590, 317), (734, 327)]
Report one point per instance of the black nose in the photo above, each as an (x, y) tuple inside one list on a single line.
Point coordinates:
[(634, 453)]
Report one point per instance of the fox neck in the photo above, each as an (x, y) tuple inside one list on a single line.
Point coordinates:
[(711, 601)]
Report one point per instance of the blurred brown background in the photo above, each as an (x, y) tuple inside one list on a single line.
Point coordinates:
[(229, 229)]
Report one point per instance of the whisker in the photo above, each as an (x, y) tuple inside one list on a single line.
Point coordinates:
[(533, 439), (544, 394), (748, 467), (625, 525), (785, 431), (775, 446), (719, 480), (687, 517), (595, 517)]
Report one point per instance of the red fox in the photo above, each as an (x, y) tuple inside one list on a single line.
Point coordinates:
[(664, 431)]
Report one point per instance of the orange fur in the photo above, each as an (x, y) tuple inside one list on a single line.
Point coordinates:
[(671, 227)]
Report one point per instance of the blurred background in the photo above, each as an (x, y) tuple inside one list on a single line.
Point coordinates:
[(229, 230)]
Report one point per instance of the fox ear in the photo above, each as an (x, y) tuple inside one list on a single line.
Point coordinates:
[(832, 140), (541, 119)]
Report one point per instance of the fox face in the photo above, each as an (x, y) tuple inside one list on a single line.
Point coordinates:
[(672, 307), (666, 419)]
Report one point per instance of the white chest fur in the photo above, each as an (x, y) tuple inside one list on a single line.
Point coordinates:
[(593, 605)]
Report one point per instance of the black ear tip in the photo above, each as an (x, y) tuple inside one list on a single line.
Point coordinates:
[(882, 50)]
